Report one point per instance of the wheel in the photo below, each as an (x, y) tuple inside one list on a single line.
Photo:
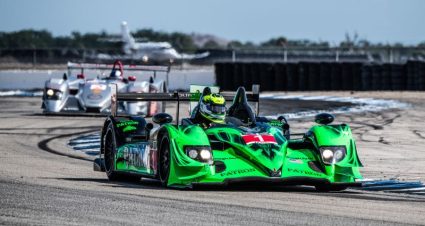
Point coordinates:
[(164, 160), (328, 188), (110, 146)]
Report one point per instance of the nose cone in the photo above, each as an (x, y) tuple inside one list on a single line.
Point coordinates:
[(97, 96), (263, 150), (53, 105), (268, 155)]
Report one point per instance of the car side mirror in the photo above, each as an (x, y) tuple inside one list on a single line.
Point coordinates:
[(324, 118), (285, 127), (64, 77), (162, 118), (80, 76), (149, 126), (132, 78)]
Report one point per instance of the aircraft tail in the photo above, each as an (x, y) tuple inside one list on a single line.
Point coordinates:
[(129, 42)]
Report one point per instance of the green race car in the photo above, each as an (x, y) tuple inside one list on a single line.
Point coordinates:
[(247, 148)]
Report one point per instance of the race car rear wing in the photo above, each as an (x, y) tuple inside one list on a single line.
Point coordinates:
[(130, 67), (125, 67), (253, 96)]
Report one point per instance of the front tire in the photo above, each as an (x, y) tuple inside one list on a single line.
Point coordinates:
[(164, 160)]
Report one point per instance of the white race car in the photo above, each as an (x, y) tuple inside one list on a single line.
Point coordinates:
[(75, 94)]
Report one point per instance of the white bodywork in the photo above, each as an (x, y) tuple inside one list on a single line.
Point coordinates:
[(79, 95), (157, 51)]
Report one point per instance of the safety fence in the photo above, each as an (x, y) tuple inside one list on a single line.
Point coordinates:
[(306, 76)]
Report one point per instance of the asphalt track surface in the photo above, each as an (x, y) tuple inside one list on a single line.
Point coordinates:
[(45, 182)]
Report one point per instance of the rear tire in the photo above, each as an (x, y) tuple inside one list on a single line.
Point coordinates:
[(164, 160), (110, 146)]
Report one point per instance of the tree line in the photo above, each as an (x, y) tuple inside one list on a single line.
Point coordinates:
[(30, 38)]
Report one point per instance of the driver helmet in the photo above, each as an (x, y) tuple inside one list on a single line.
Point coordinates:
[(213, 107), (115, 74)]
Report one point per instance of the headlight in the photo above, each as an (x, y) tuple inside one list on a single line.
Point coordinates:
[(58, 94), (50, 92), (339, 154), (332, 154), (205, 154), (199, 153), (193, 153), (53, 94), (327, 155)]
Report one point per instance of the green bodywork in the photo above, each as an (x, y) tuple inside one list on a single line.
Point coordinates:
[(233, 159)]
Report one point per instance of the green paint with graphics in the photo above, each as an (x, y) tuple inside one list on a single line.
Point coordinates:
[(233, 159), (258, 161), (280, 160)]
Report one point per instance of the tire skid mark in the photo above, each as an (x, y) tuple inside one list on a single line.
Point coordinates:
[(383, 141), (386, 120), (419, 134), (43, 145)]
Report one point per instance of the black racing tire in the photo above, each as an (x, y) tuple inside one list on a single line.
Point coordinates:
[(164, 160), (329, 187), (110, 147)]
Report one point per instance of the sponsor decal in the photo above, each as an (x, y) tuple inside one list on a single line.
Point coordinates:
[(259, 139), (97, 88), (300, 158), (195, 96), (191, 96), (127, 123), (300, 171), (137, 155), (94, 97), (276, 123), (237, 172), (298, 161), (266, 143), (225, 158), (129, 128)]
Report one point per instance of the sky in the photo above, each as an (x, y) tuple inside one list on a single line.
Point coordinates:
[(385, 21)]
